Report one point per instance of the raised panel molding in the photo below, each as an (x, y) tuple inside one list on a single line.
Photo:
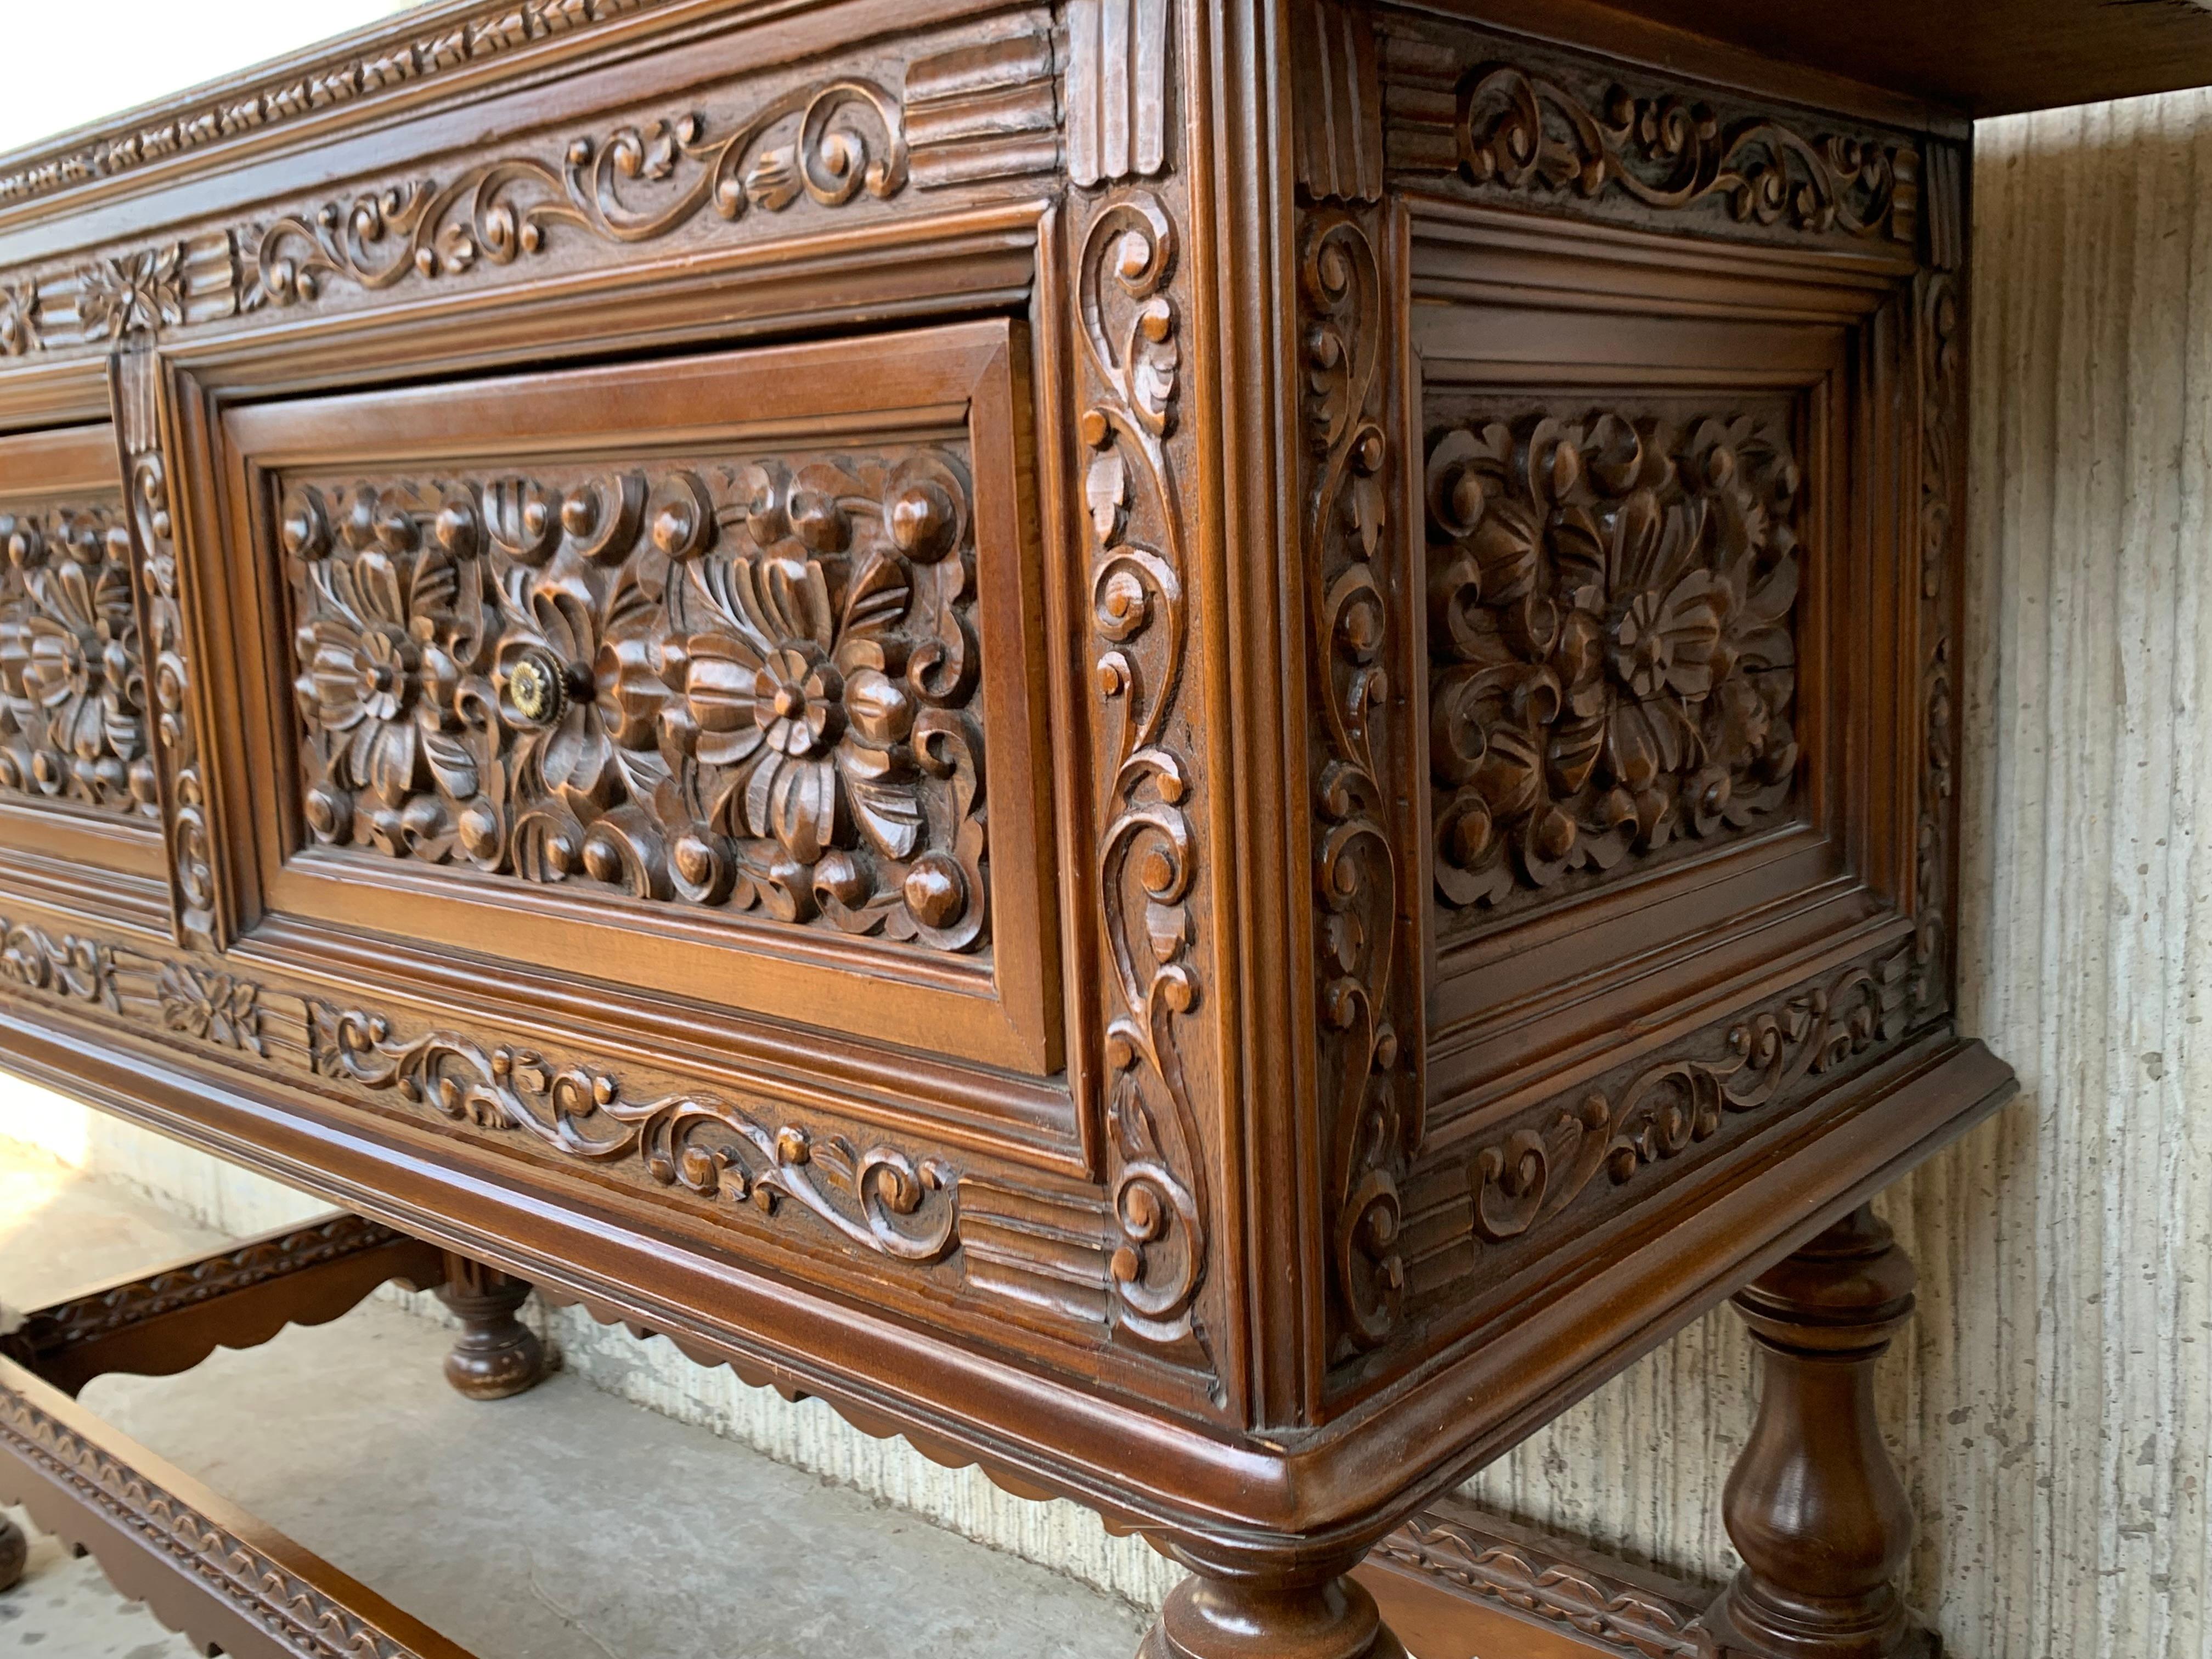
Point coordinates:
[(749, 683), (1613, 599)]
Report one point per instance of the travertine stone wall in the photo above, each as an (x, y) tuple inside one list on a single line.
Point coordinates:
[(2055, 1407)]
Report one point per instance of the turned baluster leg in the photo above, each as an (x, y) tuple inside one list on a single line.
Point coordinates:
[(1814, 1504), (1292, 1609), (497, 1354)]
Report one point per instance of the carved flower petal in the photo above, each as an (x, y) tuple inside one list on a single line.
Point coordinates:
[(805, 808), (889, 813), (881, 711), (391, 758)]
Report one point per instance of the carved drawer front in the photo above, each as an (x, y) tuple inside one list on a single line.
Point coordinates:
[(79, 787), (678, 676)]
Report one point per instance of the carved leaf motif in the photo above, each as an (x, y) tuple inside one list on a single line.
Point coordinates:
[(589, 680), (1611, 655)]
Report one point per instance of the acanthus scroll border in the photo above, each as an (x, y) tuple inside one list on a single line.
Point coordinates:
[(1129, 321), (1368, 1060)]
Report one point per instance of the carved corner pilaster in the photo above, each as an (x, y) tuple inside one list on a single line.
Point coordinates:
[(1354, 378), (136, 397), (1117, 90)]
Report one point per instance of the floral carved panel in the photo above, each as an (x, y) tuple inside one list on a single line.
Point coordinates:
[(72, 673), (1613, 599), (736, 684)]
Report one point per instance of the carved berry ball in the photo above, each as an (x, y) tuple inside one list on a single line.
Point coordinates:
[(330, 813), (936, 890), (479, 829), (695, 860), (921, 520), (603, 860)]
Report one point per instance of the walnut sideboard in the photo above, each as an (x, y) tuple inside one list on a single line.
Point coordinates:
[(1198, 748)]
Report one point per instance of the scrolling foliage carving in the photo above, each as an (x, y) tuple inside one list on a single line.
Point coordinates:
[(839, 140), (744, 685), (1147, 854), (878, 1198), (1611, 656), (72, 675), (176, 741), (1669, 1105), (1938, 346), (1519, 131), (1366, 1064)]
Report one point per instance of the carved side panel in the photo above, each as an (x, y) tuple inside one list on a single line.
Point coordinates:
[(1613, 594), (73, 717), (741, 684)]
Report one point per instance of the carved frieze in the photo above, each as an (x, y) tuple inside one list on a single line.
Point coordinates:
[(826, 143), (1500, 124), (133, 294), (72, 670), (1612, 597), (1046, 1248), (1654, 1114), (745, 683), (492, 32)]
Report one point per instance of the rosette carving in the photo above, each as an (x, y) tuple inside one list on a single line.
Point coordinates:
[(1376, 1122), (746, 685), (1612, 657), (72, 674), (875, 1197), (1519, 131), (827, 144), (1147, 854)]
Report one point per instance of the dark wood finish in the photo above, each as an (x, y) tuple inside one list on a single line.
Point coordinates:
[(229, 1583), (15, 1553), (1199, 750), (496, 1355), (1456, 1583), (1814, 1505), (168, 1321)]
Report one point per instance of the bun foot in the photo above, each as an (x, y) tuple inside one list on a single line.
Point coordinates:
[(497, 1355), (1257, 1616)]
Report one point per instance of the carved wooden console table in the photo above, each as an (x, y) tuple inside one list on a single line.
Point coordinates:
[(1198, 748)]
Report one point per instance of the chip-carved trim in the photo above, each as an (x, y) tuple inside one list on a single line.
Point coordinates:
[(377, 66), (209, 1556), (103, 1312)]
